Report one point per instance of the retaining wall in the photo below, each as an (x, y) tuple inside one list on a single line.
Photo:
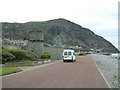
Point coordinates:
[(55, 52)]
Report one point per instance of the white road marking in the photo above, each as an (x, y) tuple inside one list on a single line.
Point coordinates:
[(103, 76)]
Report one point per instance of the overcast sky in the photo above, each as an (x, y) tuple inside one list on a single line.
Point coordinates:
[(101, 16)]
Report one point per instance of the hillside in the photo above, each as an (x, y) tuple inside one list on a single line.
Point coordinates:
[(59, 32)]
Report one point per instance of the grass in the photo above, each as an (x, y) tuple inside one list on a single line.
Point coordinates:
[(8, 70)]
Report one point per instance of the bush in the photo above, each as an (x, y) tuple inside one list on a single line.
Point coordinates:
[(23, 54), (17, 55), (46, 55), (30, 55), (7, 57)]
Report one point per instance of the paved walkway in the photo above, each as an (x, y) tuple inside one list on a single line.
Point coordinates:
[(27, 68), (80, 74)]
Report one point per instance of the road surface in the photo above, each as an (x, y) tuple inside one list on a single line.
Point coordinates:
[(80, 74)]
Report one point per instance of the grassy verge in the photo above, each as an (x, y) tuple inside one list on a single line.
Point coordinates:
[(8, 70)]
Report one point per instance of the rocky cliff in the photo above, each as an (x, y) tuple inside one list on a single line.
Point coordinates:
[(59, 32)]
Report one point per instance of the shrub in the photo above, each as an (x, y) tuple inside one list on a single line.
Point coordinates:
[(30, 55), (6, 56), (46, 55), (16, 55), (23, 54), (19, 54)]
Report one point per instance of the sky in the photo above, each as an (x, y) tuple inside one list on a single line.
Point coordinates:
[(100, 16)]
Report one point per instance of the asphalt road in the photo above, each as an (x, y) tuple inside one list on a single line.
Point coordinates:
[(80, 74)]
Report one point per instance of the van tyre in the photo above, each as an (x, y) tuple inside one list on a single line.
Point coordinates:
[(72, 59)]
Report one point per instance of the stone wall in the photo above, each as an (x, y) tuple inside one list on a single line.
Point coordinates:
[(36, 44), (36, 47), (56, 52)]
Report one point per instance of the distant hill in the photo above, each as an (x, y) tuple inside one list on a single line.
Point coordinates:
[(59, 32)]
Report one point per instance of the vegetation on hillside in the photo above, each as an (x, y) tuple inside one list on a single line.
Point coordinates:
[(59, 32)]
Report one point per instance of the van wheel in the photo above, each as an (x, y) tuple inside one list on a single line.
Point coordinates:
[(63, 60), (72, 59)]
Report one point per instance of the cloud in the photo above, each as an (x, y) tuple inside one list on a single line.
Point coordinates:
[(98, 15), (26, 10)]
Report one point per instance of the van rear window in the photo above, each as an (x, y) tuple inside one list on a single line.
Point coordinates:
[(65, 53), (69, 53)]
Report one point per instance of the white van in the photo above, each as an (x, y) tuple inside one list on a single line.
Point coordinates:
[(69, 55)]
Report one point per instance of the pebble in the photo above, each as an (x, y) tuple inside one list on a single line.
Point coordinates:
[(108, 67)]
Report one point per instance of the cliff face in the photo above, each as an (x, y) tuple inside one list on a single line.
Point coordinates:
[(59, 32)]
